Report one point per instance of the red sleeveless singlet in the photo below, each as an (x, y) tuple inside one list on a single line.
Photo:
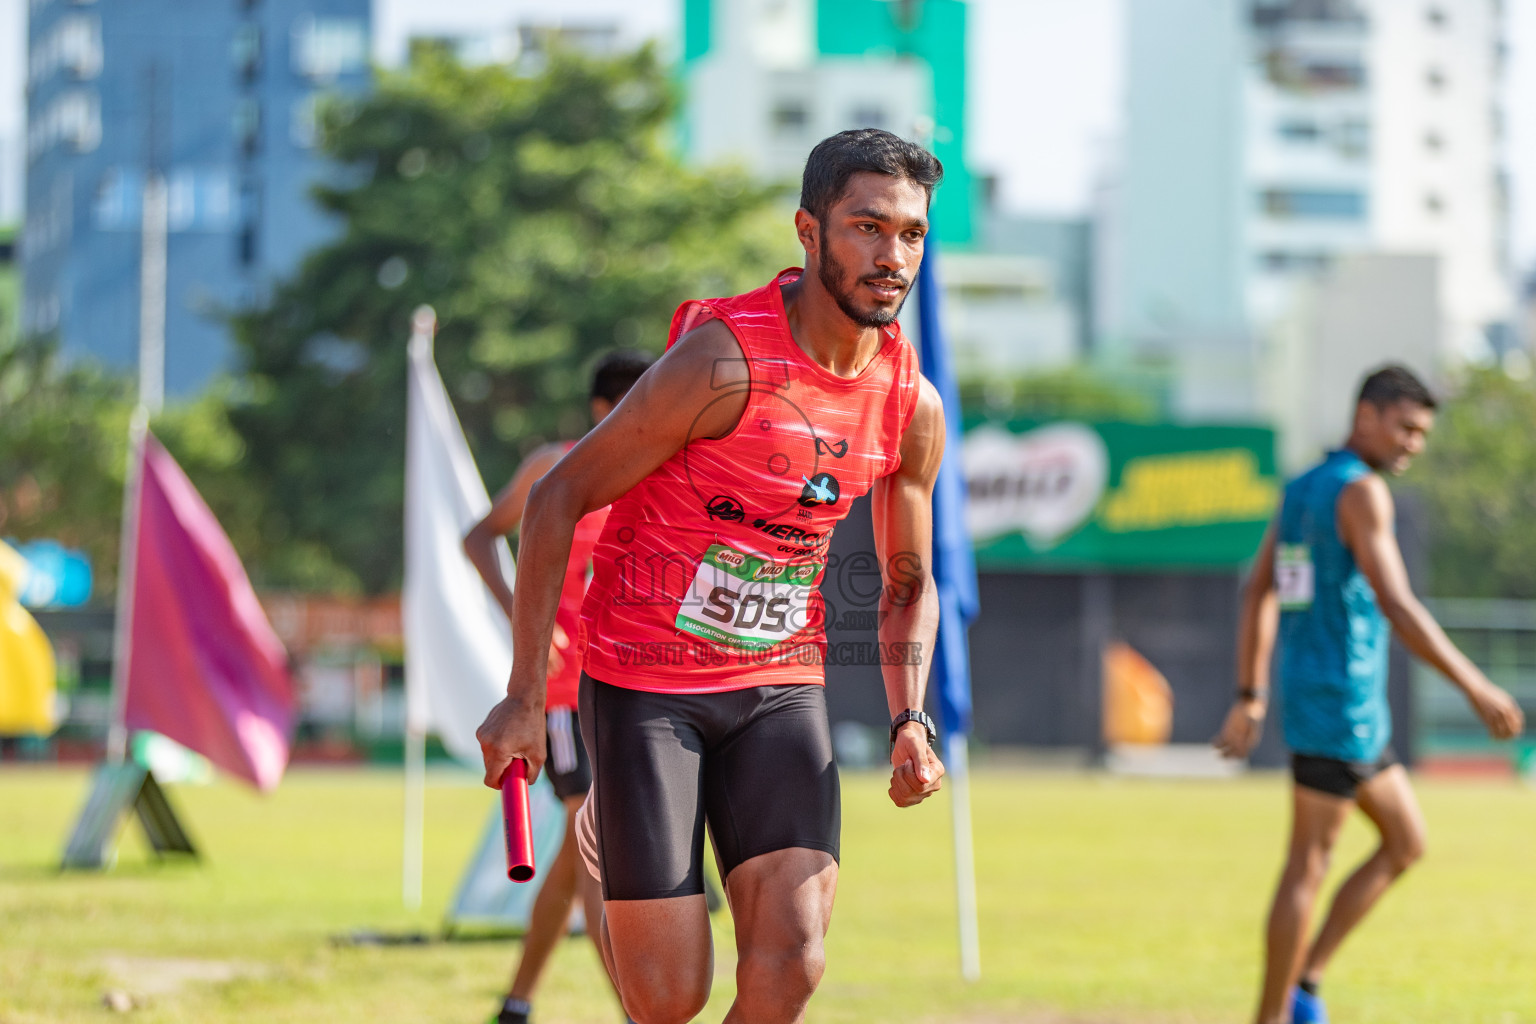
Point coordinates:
[(707, 575)]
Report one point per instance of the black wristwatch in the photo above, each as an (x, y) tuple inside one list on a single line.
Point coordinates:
[(914, 715)]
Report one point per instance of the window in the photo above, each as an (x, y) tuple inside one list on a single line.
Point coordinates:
[(1435, 15), (324, 48), (1434, 141), (246, 50), (1278, 13), (248, 244), (1333, 75), (74, 117), (789, 117), (117, 203), (247, 126), (1295, 130), (302, 122), (1282, 262), (1295, 73), (1435, 79), (1433, 204), (868, 116), (73, 45), (1352, 138), (248, 249), (1313, 204)]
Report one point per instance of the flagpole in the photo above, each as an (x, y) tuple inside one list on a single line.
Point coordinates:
[(127, 558), (958, 771), (955, 577), (415, 808), (423, 327)]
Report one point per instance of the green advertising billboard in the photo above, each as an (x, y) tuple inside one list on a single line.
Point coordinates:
[(1062, 495)]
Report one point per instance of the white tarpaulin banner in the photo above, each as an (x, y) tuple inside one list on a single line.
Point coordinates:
[(458, 645)]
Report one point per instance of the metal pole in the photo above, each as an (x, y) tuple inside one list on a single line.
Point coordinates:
[(423, 327), (958, 765), (127, 563), (154, 224), (152, 271), (415, 807)]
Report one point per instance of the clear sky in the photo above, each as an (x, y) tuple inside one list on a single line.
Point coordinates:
[(1045, 86)]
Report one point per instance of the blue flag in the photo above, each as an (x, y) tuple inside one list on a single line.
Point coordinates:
[(954, 564)]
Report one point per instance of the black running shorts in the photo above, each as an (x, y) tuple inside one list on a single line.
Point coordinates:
[(755, 765), (1335, 777), (565, 755)]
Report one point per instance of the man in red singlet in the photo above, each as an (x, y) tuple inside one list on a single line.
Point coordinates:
[(569, 768), (727, 467)]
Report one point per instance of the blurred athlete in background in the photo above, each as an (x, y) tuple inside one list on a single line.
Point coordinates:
[(1330, 579), (569, 768)]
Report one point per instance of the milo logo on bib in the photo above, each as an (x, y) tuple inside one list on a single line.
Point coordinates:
[(745, 602)]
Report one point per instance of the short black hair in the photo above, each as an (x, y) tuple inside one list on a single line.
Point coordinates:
[(1394, 383), (617, 372), (837, 159)]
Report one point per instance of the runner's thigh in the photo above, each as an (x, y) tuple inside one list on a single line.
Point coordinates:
[(647, 760), (771, 782)]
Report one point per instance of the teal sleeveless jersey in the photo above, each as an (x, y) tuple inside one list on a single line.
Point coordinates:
[(1333, 637)]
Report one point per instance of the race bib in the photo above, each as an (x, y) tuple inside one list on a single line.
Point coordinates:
[(743, 601), (1294, 576)]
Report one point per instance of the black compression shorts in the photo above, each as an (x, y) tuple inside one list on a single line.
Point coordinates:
[(1335, 777), (756, 765), (565, 754)]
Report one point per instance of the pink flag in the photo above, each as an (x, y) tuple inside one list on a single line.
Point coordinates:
[(204, 666)]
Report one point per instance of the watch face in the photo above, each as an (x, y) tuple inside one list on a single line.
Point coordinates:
[(919, 717)]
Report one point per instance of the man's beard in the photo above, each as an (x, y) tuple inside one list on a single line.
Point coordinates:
[(831, 275)]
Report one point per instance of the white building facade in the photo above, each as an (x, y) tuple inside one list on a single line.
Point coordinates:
[(1268, 139)]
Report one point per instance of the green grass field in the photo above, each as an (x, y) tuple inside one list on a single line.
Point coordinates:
[(1103, 900)]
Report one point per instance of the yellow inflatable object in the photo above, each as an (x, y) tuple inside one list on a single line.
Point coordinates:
[(28, 676), (1138, 702)]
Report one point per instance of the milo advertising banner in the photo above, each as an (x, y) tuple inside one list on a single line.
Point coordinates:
[(1064, 494)]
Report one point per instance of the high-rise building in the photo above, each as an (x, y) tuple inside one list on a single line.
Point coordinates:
[(215, 98), (1266, 139), (768, 79)]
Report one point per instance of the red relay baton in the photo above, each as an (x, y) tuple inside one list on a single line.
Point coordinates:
[(517, 822)]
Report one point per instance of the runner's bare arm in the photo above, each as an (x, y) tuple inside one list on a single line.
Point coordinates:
[(1257, 624), (673, 402), (902, 508), (1365, 517), (505, 515)]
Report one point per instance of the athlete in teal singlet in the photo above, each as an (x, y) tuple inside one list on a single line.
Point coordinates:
[(1329, 579)]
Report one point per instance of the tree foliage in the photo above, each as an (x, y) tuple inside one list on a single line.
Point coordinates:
[(1077, 392), (543, 216), (1478, 479), (64, 457), (63, 453)]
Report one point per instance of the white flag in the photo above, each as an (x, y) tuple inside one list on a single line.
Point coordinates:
[(458, 645)]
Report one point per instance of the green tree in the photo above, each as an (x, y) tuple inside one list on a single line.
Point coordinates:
[(1478, 479), (543, 216), (64, 454), (1077, 392)]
